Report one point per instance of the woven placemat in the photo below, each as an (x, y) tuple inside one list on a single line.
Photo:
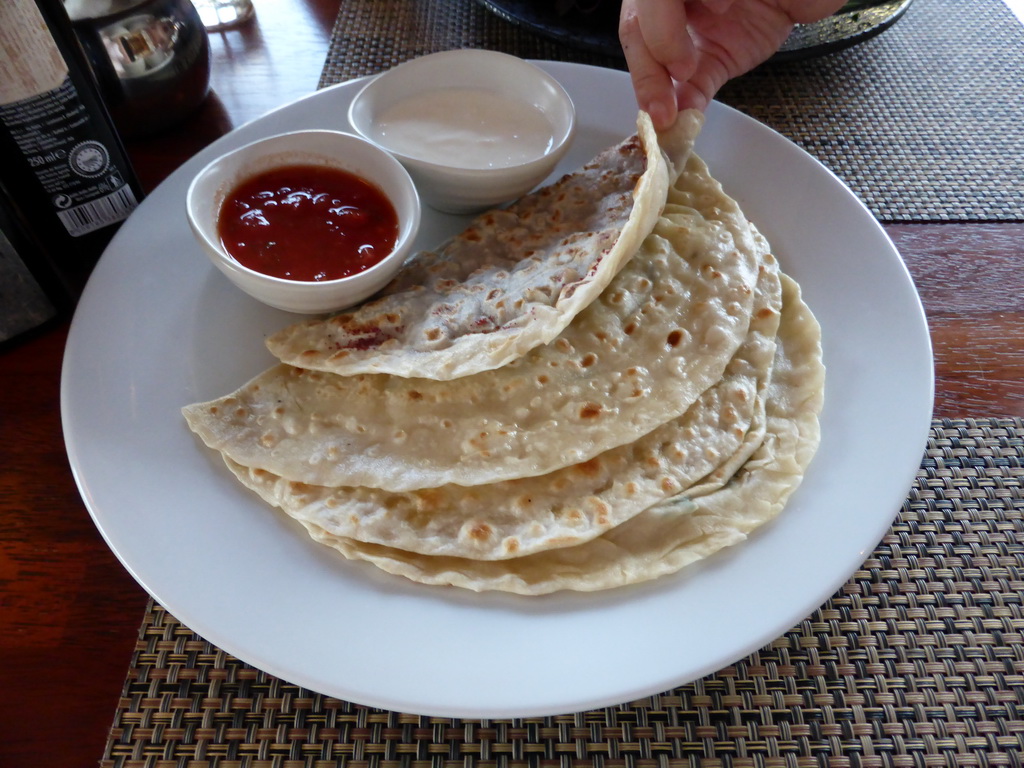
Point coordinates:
[(370, 36), (918, 661), (924, 121)]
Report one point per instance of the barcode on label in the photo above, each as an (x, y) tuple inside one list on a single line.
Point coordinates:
[(98, 213)]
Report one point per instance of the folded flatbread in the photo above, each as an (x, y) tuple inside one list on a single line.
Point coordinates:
[(675, 533), (638, 356), (567, 506), (512, 280)]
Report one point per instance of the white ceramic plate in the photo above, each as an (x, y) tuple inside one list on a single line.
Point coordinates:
[(158, 327)]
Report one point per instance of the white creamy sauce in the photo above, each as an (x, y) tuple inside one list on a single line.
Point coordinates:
[(466, 128)]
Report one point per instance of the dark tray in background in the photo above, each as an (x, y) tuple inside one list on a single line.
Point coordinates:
[(592, 25)]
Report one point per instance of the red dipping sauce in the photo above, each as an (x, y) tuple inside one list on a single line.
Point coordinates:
[(308, 223)]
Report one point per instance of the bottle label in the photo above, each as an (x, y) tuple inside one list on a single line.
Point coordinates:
[(32, 61), (45, 116)]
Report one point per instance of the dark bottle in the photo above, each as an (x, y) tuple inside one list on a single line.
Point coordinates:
[(63, 164)]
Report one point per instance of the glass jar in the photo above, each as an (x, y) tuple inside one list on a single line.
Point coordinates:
[(151, 57)]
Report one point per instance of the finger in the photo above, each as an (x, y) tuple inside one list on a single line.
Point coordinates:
[(652, 83), (665, 30), (699, 90)]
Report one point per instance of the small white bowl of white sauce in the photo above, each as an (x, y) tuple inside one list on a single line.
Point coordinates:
[(474, 128)]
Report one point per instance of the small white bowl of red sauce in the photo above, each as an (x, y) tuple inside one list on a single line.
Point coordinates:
[(310, 221), (474, 128)]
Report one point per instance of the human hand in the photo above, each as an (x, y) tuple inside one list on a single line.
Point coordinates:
[(680, 52)]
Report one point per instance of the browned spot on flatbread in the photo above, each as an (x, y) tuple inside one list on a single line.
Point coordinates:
[(479, 532), (589, 468), (428, 499)]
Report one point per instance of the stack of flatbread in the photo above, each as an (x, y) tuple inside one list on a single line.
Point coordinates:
[(595, 386)]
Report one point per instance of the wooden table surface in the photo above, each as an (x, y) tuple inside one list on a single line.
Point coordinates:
[(69, 612)]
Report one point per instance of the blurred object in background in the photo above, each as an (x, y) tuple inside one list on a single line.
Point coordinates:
[(224, 14), (592, 25), (855, 22), (29, 295), (589, 25), (151, 58)]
